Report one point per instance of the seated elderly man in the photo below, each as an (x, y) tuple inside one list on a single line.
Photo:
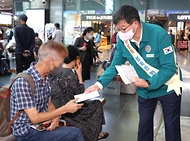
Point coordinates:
[(39, 109)]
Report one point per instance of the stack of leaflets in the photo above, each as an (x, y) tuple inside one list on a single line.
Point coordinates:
[(83, 97), (127, 73)]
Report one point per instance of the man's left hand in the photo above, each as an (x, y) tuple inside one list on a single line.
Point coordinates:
[(140, 83), (54, 124)]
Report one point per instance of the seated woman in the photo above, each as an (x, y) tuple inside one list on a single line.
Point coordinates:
[(65, 85), (38, 43)]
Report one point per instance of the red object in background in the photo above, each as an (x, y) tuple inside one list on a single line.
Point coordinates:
[(114, 38), (84, 45), (182, 45)]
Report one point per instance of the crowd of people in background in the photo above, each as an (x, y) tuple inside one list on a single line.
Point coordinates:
[(87, 43)]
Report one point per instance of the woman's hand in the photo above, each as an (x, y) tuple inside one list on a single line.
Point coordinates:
[(83, 48), (72, 106), (78, 69)]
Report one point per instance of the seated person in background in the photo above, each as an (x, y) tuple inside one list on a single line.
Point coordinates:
[(11, 46), (3, 57), (38, 109), (38, 43), (1, 50), (96, 51), (90, 118)]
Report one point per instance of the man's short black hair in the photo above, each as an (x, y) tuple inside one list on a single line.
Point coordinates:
[(23, 17), (127, 13), (57, 25)]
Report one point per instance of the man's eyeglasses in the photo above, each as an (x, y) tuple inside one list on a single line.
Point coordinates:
[(123, 30)]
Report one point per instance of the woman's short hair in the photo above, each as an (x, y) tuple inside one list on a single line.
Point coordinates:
[(53, 50), (73, 53), (87, 30), (127, 13)]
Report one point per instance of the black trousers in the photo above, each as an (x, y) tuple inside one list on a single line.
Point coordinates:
[(171, 105), (23, 63)]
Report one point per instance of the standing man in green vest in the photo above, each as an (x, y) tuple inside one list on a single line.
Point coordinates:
[(149, 49)]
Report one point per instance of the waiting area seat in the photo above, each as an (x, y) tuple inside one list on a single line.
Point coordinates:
[(8, 138)]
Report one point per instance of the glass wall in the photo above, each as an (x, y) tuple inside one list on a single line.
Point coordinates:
[(170, 4), (20, 7), (73, 9), (56, 12)]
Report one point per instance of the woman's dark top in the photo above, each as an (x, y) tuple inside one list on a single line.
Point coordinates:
[(86, 57), (1, 49), (38, 43), (90, 118)]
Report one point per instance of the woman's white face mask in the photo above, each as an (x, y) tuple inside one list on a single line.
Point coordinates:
[(89, 36)]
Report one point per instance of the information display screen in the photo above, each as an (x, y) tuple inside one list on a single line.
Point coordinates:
[(36, 20), (5, 19)]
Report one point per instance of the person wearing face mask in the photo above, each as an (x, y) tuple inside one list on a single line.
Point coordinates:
[(38, 109), (149, 49), (86, 49)]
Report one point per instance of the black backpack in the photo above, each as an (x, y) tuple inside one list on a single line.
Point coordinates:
[(106, 64), (4, 67)]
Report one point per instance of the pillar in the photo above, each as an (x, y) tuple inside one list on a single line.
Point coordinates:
[(40, 4)]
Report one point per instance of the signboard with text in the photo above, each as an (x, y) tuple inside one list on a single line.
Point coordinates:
[(93, 17), (179, 17), (182, 45)]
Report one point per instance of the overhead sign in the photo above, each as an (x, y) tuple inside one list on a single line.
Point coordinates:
[(93, 17), (179, 17), (183, 17), (5, 19)]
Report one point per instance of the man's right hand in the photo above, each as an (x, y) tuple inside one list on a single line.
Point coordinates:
[(92, 89), (72, 106)]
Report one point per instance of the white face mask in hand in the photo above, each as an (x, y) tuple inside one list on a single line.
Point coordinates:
[(126, 36)]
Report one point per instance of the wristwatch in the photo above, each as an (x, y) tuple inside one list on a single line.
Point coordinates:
[(148, 82)]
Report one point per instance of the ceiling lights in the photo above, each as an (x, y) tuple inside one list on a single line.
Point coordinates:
[(6, 5)]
